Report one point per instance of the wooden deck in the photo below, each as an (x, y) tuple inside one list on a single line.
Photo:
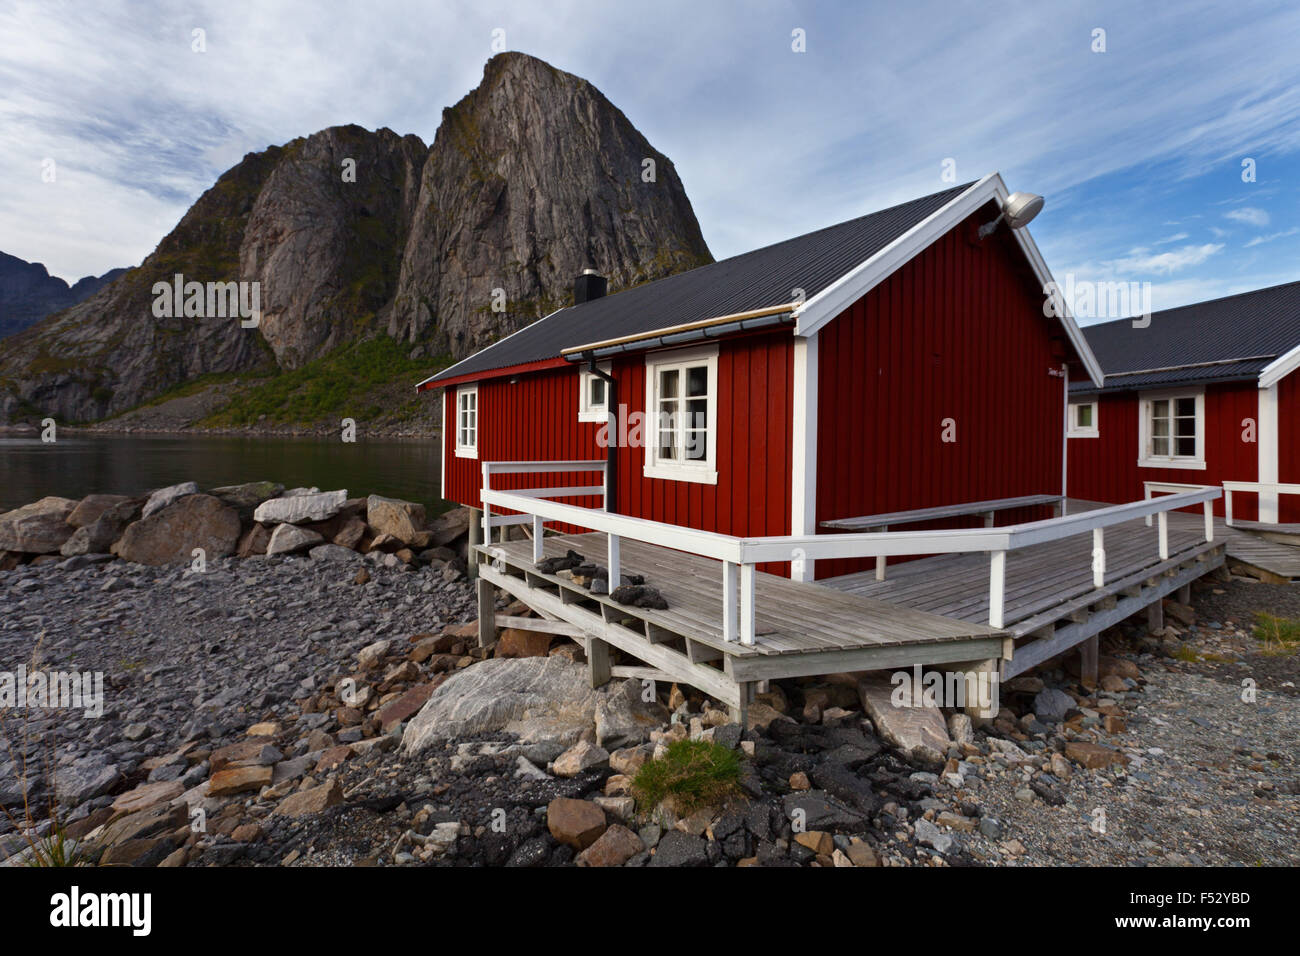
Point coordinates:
[(801, 628)]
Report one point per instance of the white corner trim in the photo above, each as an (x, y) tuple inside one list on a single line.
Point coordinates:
[(803, 450), (1279, 368), (1267, 438), (442, 444), (843, 292)]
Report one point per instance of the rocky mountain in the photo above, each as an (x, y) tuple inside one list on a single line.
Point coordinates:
[(349, 233), (28, 292)]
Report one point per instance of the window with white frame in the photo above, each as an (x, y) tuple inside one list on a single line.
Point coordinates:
[(1171, 429), (682, 415), (593, 395), (1083, 420), (467, 422)]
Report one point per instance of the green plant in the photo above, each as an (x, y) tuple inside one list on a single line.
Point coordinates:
[(1279, 635), (695, 773)]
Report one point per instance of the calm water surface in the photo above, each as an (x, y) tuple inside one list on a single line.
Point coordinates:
[(80, 465)]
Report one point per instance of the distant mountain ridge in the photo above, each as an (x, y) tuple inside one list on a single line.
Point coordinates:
[(28, 293), (352, 234)]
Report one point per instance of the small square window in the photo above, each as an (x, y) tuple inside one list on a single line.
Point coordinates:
[(466, 423), (593, 395), (1083, 420)]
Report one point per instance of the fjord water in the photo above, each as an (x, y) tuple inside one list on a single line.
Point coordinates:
[(78, 465)]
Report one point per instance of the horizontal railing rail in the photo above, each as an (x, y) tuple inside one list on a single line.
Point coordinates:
[(1265, 489), (740, 556)]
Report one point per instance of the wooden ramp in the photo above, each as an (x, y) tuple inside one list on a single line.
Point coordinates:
[(801, 628), (1266, 559)]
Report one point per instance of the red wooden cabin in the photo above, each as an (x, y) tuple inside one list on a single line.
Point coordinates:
[(896, 361), (1199, 395)]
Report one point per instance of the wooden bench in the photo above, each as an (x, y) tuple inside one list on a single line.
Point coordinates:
[(987, 509)]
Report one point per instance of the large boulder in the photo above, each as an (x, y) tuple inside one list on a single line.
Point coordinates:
[(163, 497), (300, 508), (288, 539), (38, 528), (904, 719), (246, 497), (624, 717), (448, 527), (195, 521), (91, 507), (538, 698), (98, 536), (402, 519)]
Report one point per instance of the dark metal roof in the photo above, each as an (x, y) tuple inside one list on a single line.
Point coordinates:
[(1223, 340), (753, 280)]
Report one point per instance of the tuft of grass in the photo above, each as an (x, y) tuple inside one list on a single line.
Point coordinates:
[(1278, 635), (695, 773), (1186, 654)]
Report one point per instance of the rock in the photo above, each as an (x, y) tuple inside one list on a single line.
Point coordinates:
[(1053, 704), (581, 756), (955, 821), (514, 642), (315, 800), (799, 781), (678, 848), (575, 823), (819, 811), (614, 847), (246, 497), (239, 780), (624, 718), (1112, 684), (300, 509), (446, 528), (77, 784), (1093, 756), (333, 552), (402, 519), (163, 497), (932, 836), (861, 854), (288, 539), (1119, 667), (38, 528), (960, 729), (919, 730), (253, 541), (639, 595), (171, 535), (539, 698), (373, 654), (148, 795), (404, 707), (90, 508), (759, 716), (629, 760), (819, 841), (98, 536), (1182, 613)]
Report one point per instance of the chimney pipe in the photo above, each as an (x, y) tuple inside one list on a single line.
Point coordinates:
[(590, 285)]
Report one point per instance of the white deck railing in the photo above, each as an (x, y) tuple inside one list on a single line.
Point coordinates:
[(740, 556), (1271, 490)]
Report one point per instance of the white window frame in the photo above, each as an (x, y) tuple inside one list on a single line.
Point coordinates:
[(1075, 430), (1146, 457), (587, 411), (463, 449), (677, 469)]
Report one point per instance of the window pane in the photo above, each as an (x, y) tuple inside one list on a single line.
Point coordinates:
[(597, 391), (1085, 416), (1160, 427), (697, 380), (668, 383), (1160, 446), (1186, 447), (697, 445), (697, 413), (1186, 406), (1160, 408), (1185, 427)]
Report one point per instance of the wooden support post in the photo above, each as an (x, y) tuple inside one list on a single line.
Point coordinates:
[(740, 713), (1185, 594), (988, 519), (487, 612), (1098, 558), (539, 532), (1156, 615), (977, 687), (598, 667), (997, 587), (475, 539), (748, 579), (730, 601), (1088, 658), (1164, 535), (1227, 506), (615, 575)]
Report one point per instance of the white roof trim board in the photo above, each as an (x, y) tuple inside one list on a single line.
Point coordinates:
[(835, 298), (1279, 368)]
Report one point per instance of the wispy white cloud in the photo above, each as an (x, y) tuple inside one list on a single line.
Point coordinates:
[(1250, 215), (1260, 240), (1164, 263), (1176, 237)]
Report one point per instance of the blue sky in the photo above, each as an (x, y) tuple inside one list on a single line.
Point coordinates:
[(1138, 149)]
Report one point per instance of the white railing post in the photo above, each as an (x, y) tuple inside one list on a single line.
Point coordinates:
[(881, 560), (1227, 506), (1098, 558), (1164, 535), (487, 509), (729, 601), (1209, 520), (615, 575), (747, 581), (997, 587), (539, 531), (1146, 496)]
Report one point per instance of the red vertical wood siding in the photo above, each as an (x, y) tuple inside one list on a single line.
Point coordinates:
[(535, 418), (1105, 468), (958, 332)]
